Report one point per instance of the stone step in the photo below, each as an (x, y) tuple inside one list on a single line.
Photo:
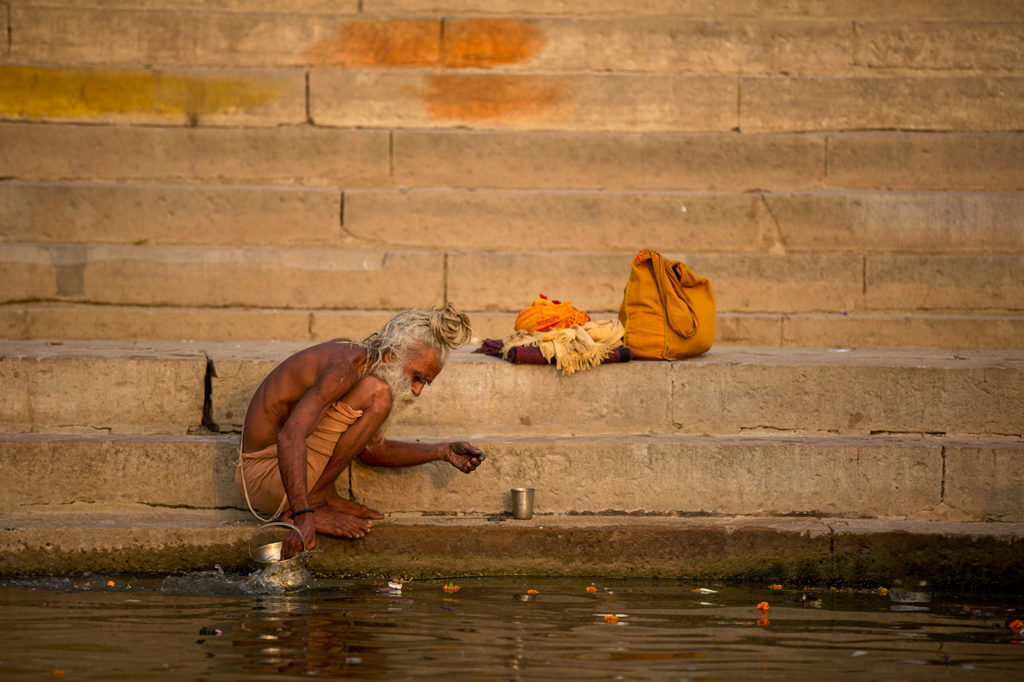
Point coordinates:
[(100, 388), (62, 321), (921, 478), (592, 102), (729, 45), (499, 281), (160, 388), (987, 10), (795, 552), (801, 9), (350, 159), (52, 471), (732, 222)]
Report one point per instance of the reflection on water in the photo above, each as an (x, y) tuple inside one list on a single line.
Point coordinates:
[(211, 626)]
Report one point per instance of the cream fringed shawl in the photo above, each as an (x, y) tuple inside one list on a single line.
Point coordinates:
[(576, 348)]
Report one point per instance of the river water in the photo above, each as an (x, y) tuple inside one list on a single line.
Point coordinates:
[(212, 626)]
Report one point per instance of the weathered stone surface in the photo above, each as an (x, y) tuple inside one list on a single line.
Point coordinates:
[(839, 9), (922, 330), (222, 276), (63, 321), (814, 330), (739, 390), (955, 103), (50, 470), (393, 99), (351, 324), (123, 538), (138, 96), (793, 551), (893, 548), (782, 282), (181, 37), (82, 388), (859, 222), (881, 222), (741, 282), (927, 161), (561, 221), (239, 38), (969, 283), (878, 477), (976, 45), (347, 6), (161, 214), (985, 483), (676, 44), (279, 156), (477, 395), (608, 161)]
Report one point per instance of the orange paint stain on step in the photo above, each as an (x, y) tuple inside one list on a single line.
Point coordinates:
[(487, 97), (381, 42), (459, 43), (483, 43)]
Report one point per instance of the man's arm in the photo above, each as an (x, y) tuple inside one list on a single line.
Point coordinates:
[(392, 453), (291, 447)]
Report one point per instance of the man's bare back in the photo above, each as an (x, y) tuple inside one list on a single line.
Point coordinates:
[(335, 364)]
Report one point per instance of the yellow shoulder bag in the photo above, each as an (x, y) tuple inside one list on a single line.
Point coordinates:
[(667, 310)]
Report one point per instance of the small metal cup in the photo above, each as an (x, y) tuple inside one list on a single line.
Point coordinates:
[(522, 503)]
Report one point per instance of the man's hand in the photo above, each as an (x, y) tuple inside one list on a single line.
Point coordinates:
[(306, 523), (464, 456)]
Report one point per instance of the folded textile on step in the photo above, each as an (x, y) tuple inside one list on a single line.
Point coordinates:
[(573, 349), (531, 355)]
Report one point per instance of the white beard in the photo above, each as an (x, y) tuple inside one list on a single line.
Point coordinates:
[(401, 390)]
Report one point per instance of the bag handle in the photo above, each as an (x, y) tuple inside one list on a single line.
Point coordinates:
[(686, 328)]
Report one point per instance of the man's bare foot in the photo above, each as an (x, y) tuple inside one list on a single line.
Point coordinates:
[(332, 499), (339, 524), (464, 456), (354, 508)]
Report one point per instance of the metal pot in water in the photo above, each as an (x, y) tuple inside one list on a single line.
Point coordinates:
[(280, 574)]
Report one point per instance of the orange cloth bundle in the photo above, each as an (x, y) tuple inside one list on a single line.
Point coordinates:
[(544, 315)]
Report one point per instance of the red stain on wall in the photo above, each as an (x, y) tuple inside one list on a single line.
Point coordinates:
[(381, 42), (460, 43), (486, 96), (452, 44), (484, 43)]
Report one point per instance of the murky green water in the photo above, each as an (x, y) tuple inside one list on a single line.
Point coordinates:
[(208, 626)]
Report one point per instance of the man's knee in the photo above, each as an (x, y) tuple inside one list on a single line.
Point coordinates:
[(377, 394)]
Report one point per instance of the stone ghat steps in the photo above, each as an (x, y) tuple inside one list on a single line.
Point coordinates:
[(800, 9), (425, 99), (175, 388), (920, 478), (793, 552), (313, 156), (745, 45), (67, 321), (520, 41), (813, 221), (500, 281)]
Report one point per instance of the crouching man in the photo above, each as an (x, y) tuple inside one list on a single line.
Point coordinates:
[(326, 405)]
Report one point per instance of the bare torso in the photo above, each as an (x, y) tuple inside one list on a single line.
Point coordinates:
[(331, 368)]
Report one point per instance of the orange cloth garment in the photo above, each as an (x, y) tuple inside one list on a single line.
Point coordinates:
[(262, 483), (544, 315)]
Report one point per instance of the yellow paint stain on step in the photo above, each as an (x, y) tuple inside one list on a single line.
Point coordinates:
[(487, 97), (458, 43), (35, 92)]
